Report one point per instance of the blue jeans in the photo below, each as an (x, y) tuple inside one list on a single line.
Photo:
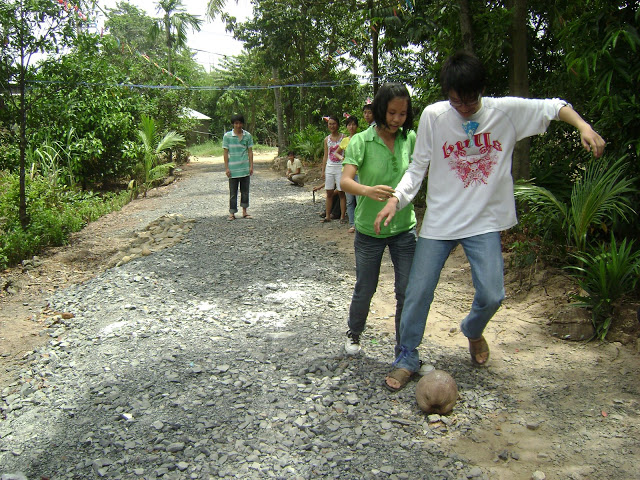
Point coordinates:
[(369, 251), (244, 183), (484, 253), (351, 206)]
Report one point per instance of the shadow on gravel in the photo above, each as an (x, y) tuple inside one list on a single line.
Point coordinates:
[(222, 357)]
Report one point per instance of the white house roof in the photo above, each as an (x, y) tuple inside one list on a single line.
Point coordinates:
[(191, 113)]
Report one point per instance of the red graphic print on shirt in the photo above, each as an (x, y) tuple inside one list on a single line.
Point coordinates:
[(473, 162)]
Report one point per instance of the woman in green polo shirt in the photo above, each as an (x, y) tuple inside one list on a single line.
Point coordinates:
[(380, 156)]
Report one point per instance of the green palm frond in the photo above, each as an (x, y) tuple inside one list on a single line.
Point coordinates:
[(215, 7), (170, 140), (542, 201), (160, 171), (602, 192), (147, 133), (539, 198), (154, 146), (605, 276)]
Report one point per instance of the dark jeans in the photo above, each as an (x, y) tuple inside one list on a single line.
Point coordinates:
[(369, 251), (233, 193)]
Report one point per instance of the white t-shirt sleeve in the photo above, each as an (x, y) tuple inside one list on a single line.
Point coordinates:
[(411, 181), (530, 116)]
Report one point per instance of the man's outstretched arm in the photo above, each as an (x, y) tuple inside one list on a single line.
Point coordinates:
[(590, 139)]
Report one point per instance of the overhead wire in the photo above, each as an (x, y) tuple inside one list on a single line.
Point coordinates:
[(326, 84)]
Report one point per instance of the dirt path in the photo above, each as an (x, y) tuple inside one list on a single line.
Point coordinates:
[(573, 409)]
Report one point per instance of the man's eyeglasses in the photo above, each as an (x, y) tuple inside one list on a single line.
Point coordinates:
[(459, 103)]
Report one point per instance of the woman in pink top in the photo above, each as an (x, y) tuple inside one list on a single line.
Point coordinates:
[(332, 170)]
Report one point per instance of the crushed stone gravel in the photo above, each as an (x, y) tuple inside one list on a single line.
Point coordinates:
[(222, 356)]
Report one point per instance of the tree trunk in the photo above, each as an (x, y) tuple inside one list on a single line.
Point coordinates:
[(22, 201), (303, 109), (252, 121), (519, 80), (465, 25), (278, 106), (167, 26), (374, 49)]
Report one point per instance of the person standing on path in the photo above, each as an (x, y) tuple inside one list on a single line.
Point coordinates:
[(367, 112), (352, 128), (332, 169), (238, 164), (380, 155), (465, 145)]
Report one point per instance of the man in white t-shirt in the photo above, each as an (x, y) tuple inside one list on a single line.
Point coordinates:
[(465, 145), (294, 170)]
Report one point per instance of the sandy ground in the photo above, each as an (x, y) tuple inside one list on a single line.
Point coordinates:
[(576, 405)]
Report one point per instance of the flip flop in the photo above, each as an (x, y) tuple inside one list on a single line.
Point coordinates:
[(325, 220), (247, 216), (231, 217), (343, 221), (477, 347), (402, 375)]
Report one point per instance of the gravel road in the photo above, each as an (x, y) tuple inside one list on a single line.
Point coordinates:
[(222, 357)]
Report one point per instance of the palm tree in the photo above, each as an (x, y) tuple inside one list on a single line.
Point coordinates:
[(174, 24), (215, 7), (154, 146), (603, 192)]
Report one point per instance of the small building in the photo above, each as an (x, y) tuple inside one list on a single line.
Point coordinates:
[(199, 132)]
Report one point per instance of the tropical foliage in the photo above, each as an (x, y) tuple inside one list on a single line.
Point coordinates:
[(600, 199), (606, 276), (154, 145)]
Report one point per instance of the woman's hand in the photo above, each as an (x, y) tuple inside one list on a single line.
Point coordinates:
[(380, 193), (386, 214)]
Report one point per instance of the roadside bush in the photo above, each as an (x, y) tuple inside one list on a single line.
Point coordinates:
[(600, 201), (92, 121), (9, 152), (55, 212), (308, 144), (606, 276)]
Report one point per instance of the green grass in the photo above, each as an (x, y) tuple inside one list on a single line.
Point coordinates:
[(214, 149)]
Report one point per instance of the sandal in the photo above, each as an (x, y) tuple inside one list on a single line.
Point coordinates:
[(325, 220), (478, 348), (402, 375), (231, 217), (352, 230), (343, 221), (246, 215)]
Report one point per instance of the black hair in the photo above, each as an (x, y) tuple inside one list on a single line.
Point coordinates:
[(291, 152), (238, 117), (465, 74), (351, 119), (333, 117), (386, 93), (367, 106)]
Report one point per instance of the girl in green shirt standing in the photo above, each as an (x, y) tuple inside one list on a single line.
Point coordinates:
[(380, 156)]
